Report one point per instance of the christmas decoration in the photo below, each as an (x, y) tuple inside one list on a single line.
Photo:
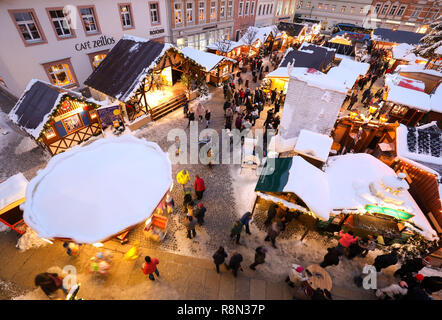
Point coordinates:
[(432, 41)]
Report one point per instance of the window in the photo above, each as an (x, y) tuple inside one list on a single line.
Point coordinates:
[(60, 73), (180, 43), (50, 133), (416, 12), (189, 11), (203, 43), (154, 13), (392, 10), (268, 9), (89, 20), (246, 10), (385, 8), (271, 9), (97, 59), (343, 8), (309, 4), (377, 8), (60, 23), (241, 4), (222, 10), (401, 10), (213, 10), (319, 5), (72, 123), (230, 9), (202, 14), (279, 8), (326, 7), (27, 25), (259, 9), (352, 10), (361, 11), (333, 8), (300, 4), (252, 8), (178, 13), (191, 41)]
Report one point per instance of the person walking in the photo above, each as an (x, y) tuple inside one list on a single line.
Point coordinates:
[(200, 110), (235, 263), (331, 258), (272, 233), (200, 187), (345, 240), (245, 220), (150, 267), (260, 257), (385, 260), (373, 80), (271, 214), (219, 257), (353, 100), (200, 212), (191, 117), (366, 95), (190, 224), (207, 116), (236, 230)]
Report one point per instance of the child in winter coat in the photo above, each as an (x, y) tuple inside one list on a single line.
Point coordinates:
[(50, 283)]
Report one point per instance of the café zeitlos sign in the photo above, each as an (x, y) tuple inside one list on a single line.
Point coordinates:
[(91, 44)]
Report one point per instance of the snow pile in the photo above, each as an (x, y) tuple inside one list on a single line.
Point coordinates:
[(29, 240), (13, 189), (111, 184), (404, 51), (315, 144)]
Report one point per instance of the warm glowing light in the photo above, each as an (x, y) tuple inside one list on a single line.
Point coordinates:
[(372, 109), (47, 240), (383, 119), (353, 114), (98, 245)]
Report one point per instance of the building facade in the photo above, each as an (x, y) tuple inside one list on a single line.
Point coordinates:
[(244, 17), (407, 15), (264, 13), (61, 42), (198, 23), (332, 12), (284, 10)]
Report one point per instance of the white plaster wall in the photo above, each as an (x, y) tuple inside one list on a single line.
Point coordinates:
[(305, 108), (19, 64)]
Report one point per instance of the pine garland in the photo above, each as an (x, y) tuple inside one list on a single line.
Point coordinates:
[(430, 42)]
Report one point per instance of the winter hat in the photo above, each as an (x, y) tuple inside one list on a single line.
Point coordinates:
[(403, 284), (200, 205), (419, 277), (299, 269)]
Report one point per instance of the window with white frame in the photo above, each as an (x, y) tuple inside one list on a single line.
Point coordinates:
[(416, 12), (401, 11), (343, 8), (154, 13), (60, 75), (319, 5), (27, 26), (203, 41), (271, 9), (126, 19), (189, 11), (377, 8), (202, 11), (178, 13), (180, 43), (352, 10), (222, 10), (246, 9), (279, 8), (96, 60), (308, 5), (333, 8), (392, 10), (230, 8), (259, 9), (90, 23), (252, 8), (385, 8), (240, 7), (60, 23), (212, 10), (326, 7)]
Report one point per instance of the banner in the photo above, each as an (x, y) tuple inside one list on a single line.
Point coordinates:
[(108, 115)]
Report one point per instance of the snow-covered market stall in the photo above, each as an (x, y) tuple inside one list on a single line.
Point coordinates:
[(145, 77), (56, 118), (12, 195), (230, 49), (357, 191), (259, 39), (88, 195), (290, 34)]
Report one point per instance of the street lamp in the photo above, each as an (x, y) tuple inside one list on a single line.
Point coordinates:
[(311, 11)]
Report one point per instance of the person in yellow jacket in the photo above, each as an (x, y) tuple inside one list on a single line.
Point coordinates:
[(183, 177)]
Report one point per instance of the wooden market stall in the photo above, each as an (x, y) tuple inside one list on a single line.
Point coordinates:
[(55, 117), (228, 48), (290, 34), (12, 195)]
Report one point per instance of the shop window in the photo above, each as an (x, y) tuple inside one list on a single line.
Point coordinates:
[(60, 23), (333, 8), (126, 16), (61, 73), (203, 42), (201, 11), (72, 123), (224, 70), (50, 133), (89, 20), (189, 12), (352, 10), (178, 14), (180, 43), (399, 110), (319, 5), (27, 24), (97, 60), (155, 13)]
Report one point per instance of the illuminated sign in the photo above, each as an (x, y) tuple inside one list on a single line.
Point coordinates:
[(398, 214)]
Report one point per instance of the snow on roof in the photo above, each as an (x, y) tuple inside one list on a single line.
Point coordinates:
[(404, 51), (403, 144), (262, 34), (348, 71), (315, 144), (208, 60), (311, 185), (398, 93), (438, 50), (101, 194), (436, 100), (418, 68), (280, 72), (13, 189), (232, 45)]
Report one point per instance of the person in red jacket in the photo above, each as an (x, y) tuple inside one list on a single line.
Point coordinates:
[(345, 240), (150, 266), (199, 187)]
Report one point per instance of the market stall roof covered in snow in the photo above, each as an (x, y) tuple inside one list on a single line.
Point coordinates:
[(347, 50), (396, 36), (12, 190), (101, 195), (345, 184), (348, 71), (38, 101), (291, 29), (262, 34), (208, 60), (310, 56), (404, 51), (125, 66), (422, 144), (226, 45), (314, 144), (418, 68)]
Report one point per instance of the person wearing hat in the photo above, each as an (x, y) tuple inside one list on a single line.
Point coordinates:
[(393, 292), (296, 275), (411, 266), (199, 213), (260, 256)]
